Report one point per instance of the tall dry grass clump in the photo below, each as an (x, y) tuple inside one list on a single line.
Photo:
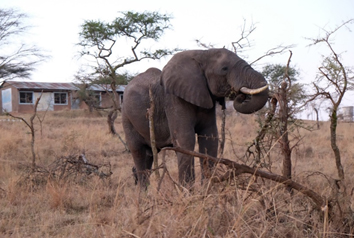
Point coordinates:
[(68, 198)]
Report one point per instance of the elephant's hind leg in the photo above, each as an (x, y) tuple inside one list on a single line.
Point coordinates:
[(143, 163), (140, 152)]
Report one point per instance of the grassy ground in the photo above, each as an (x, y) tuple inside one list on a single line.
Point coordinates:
[(53, 203)]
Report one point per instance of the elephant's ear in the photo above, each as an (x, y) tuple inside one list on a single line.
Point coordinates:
[(184, 78)]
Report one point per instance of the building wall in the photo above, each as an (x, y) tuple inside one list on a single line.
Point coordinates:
[(47, 97), (15, 99), (5, 100), (46, 102), (14, 96)]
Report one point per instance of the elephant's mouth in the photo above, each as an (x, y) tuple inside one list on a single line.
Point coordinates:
[(239, 98), (250, 100), (242, 98)]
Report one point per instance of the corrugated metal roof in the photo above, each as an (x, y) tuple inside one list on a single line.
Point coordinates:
[(60, 86), (106, 87), (43, 86)]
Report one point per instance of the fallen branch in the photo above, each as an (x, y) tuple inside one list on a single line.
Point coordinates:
[(244, 169), (74, 165)]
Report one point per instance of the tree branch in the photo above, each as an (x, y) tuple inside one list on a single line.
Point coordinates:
[(244, 169)]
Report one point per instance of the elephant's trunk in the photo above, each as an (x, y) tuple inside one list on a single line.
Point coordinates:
[(247, 104), (250, 87)]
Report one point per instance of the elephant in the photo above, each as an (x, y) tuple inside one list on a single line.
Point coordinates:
[(185, 94)]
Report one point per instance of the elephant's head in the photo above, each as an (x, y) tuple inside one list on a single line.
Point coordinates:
[(202, 76)]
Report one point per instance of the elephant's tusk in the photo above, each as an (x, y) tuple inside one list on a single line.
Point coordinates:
[(253, 91)]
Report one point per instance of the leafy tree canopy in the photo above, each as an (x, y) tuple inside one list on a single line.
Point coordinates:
[(275, 74), (99, 38)]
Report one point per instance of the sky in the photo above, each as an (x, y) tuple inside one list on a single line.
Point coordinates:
[(56, 26)]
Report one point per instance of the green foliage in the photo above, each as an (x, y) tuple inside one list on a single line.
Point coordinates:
[(275, 75), (88, 96), (121, 79), (146, 25), (101, 36), (99, 40), (94, 32), (331, 77)]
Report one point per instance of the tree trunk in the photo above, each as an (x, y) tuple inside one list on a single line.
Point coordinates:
[(284, 141), (223, 123), (333, 129), (31, 127), (90, 106), (152, 134), (317, 119), (111, 117)]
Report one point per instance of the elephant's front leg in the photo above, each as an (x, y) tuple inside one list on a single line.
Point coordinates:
[(208, 144), (185, 140), (181, 118)]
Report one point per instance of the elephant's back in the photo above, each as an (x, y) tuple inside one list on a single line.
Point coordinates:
[(145, 79), (136, 101), (137, 90)]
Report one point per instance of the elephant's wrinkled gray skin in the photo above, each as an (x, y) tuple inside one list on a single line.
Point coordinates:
[(185, 96)]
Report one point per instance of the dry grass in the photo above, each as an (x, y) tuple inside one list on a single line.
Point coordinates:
[(88, 206)]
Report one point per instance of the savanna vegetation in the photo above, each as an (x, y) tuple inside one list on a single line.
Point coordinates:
[(65, 198), (63, 174)]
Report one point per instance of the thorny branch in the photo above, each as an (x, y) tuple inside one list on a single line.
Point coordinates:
[(74, 165), (244, 36), (262, 133), (71, 168), (276, 50)]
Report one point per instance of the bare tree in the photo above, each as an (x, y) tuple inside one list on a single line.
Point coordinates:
[(17, 59), (280, 122), (284, 117), (333, 82), (30, 125), (245, 42)]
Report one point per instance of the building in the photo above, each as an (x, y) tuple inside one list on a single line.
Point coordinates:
[(345, 114), (20, 97)]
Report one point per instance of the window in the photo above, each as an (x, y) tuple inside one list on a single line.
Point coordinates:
[(26, 97), (60, 98)]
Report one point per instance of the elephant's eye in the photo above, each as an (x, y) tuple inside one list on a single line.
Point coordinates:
[(225, 68)]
